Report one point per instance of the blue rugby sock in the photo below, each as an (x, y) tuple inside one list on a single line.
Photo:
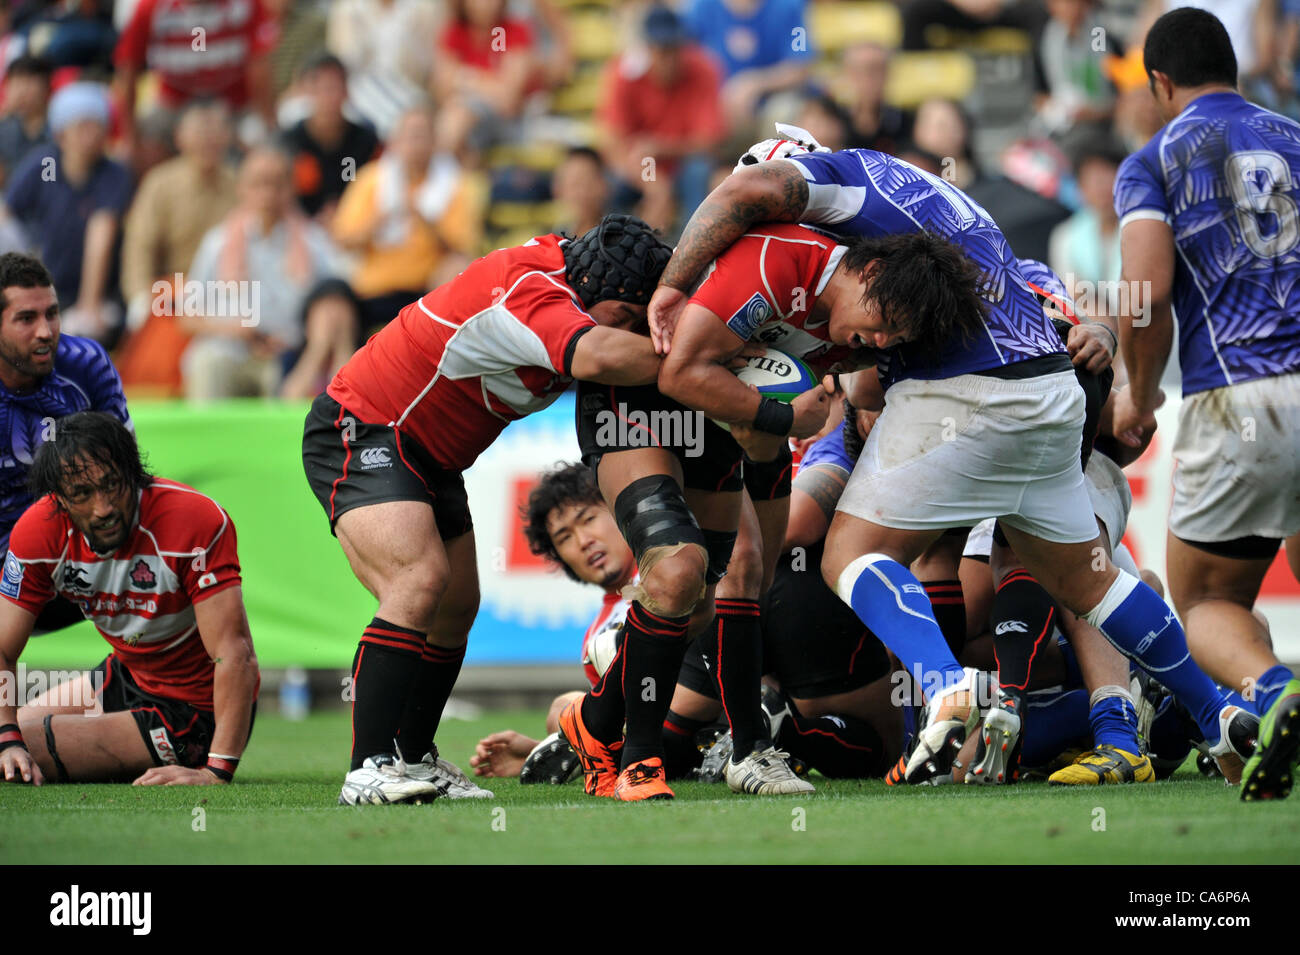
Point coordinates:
[(1114, 719), (1053, 726), (1143, 628), (1236, 699), (1268, 688), (894, 606)]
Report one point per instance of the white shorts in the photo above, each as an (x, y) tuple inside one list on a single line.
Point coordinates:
[(1237, 462), (1111, 501), (953, 452), (1112, 498), (979, 542)]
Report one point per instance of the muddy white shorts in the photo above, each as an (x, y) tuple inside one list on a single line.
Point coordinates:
[(953, 452), (1112, 498), (1237, 462)]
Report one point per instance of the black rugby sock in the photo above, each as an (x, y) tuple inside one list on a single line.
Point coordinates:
[(1023, 616), (653, 647), (681, 755), (737, 646), (603, 711), (383, 672), (949, 611), (437, 673)]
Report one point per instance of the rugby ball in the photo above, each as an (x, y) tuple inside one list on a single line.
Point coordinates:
[(775, 374)]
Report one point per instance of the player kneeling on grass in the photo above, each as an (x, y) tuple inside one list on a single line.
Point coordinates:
[(385, 445), (153, 564)]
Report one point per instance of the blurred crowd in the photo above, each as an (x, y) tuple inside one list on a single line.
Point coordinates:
[(232, 194)]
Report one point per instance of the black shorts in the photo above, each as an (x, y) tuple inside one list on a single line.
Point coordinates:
[(770, 480), (58, 613), (696, 673), (812, 641), (174, 732), (351, 463), (613, 418)]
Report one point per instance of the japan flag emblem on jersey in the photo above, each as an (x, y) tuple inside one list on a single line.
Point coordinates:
[(142, 578)]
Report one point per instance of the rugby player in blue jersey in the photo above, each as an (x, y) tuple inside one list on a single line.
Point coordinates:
[(43, 376), (987, 425), (1210, 217)]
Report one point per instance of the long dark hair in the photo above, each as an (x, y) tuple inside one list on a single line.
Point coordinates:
[(925, 286), (84, 438)]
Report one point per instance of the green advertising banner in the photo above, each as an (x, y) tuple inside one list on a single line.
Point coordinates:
[(304, 605)]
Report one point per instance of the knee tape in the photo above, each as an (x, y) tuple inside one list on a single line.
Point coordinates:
[(653, 516)]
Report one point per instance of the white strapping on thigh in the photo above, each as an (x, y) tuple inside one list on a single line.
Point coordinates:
[(1123, 585)]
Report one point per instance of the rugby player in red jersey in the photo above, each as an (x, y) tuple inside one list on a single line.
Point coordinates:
[(784, 286), (153, 564), (385, 445)]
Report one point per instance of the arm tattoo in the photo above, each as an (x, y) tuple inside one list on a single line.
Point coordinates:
[(776, 191), (824, 483)]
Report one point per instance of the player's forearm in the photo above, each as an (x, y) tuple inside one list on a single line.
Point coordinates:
[(1145, 348), (768, 192), (234, 689), (707, 386), (612, 356)]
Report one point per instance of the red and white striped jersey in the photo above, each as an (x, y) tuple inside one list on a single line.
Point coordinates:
[(163, 37), (141, 598), (766, 284), (599, 643), (489, 347)]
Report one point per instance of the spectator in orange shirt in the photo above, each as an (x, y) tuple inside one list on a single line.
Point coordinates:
[(660, 116), (411, 217)]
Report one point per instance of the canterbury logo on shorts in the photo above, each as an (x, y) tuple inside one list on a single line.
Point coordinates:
[(375, 458)]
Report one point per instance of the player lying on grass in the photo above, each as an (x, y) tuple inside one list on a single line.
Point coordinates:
[(153, 564), (567, 522), (45, 375), (990, 370), (385, 446)]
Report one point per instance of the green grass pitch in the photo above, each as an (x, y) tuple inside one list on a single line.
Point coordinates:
[(282, 809)]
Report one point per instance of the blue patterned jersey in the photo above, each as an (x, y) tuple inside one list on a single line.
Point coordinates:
[(1225, 175), (83, 379), (1044, 276), (860, 192)]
